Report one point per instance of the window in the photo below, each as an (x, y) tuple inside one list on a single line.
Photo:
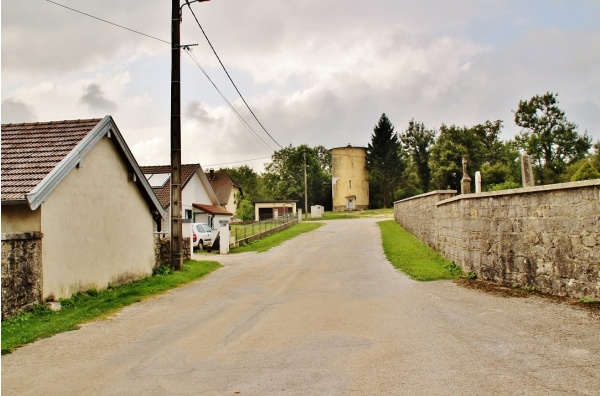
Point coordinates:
[(350, 184), (188, 214)]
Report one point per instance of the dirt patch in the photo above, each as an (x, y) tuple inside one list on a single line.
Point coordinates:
[(503, 291)]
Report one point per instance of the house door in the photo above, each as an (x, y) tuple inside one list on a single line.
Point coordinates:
[(350, 203)]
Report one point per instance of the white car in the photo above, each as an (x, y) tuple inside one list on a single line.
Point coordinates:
[(202, 235)]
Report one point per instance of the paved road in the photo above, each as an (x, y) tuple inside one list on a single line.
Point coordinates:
[(323, 314)]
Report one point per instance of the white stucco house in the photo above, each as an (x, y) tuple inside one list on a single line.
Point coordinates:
[(78, 184), (199, 201)]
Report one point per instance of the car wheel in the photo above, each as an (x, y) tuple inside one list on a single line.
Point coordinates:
[(200, 245)]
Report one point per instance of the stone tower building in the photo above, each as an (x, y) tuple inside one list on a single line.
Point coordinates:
[(350, 184)]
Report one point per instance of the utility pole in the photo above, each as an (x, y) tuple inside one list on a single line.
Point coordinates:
[(176, 223), (305, 190), (176, 205)]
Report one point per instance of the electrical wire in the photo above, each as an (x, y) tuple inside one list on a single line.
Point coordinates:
[(248, 127), (237, 162), (228, 76), (105, 21)]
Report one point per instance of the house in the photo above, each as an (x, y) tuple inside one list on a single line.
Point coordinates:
[(228, 191), (199, 202), (76, 185)]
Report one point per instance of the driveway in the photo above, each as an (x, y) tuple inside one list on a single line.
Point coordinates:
[(322, 314)]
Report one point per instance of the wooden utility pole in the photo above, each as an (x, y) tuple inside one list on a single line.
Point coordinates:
[(305, 191), (176, 223)]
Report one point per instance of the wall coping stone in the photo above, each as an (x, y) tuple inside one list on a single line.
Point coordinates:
[(517, 191), (13, 236), (436, 192)]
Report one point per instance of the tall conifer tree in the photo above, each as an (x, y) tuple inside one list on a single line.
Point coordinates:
[(385, 163)]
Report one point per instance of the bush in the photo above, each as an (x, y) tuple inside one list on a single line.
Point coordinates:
[(507, 185), (586, 172)]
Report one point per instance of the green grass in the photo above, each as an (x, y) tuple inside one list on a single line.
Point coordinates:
[(266, 243), (414, 258), (92, 305), (355, 214)]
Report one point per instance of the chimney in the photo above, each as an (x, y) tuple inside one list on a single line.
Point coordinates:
[(211, 174)]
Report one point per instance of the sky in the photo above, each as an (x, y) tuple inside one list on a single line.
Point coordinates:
[(315, 72)]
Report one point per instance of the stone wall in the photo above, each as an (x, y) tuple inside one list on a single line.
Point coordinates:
[(546, 237), (162, 249), (21, 272)]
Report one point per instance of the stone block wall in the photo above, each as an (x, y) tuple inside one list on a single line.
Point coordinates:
[(21, 272), (162, 250), (546, 237), (416, 214)]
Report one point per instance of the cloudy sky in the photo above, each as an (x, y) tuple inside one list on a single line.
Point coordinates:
[(316, 72)]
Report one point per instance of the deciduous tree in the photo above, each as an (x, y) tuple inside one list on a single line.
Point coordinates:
[(548, 137), (417, 141)]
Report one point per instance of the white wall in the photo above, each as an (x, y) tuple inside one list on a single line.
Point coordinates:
[(97, 227)]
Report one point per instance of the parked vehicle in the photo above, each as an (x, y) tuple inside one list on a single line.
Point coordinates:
[(203, 235)]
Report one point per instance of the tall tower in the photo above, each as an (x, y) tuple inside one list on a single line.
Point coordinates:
[(350, 183)]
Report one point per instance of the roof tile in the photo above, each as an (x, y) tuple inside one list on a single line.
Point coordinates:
[(31, 150)]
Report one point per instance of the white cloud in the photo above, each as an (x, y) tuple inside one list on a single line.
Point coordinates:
[(314, 72)]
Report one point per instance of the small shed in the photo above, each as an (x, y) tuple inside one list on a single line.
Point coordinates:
[(76, 185)]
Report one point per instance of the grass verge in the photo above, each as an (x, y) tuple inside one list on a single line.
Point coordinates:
[(389, 212), (414, 258), (266, 243), (41, 322)]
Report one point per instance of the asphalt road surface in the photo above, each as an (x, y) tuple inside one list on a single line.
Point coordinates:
[(322, 314)]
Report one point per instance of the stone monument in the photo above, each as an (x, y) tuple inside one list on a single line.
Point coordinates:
[(465, 183), (527, 171)]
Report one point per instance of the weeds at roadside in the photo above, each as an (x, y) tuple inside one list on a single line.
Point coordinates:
[(41, 321)]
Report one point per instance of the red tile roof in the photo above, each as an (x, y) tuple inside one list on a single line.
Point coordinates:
[(212, 209), (31, 150), (164, 193), (222, 186)]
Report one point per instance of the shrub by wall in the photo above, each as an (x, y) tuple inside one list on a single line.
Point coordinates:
[(547, 237)]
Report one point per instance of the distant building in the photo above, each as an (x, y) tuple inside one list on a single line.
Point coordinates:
[(265, 210), (350, 183), (228, 192)]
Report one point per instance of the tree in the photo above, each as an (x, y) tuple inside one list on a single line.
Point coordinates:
[(245, 210), (586, 172), (385, 162), (248, 179), (452, 144), (417, 141), (548, 137), (284, 176)]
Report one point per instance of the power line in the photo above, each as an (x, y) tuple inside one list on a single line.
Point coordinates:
[(105, 21), (237, 162), (228, 76), (248, 127)]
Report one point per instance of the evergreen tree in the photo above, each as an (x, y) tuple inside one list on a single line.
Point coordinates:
[(385, 163)]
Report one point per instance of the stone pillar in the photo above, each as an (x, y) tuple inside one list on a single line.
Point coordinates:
[(527, 171), (477, 182), (465, 183), (299, 215)]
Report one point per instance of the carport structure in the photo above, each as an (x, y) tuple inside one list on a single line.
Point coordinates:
[(264, 210)]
